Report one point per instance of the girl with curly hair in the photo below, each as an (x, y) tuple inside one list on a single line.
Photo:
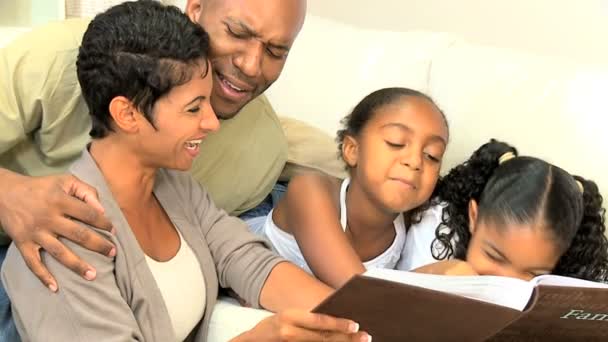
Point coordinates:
[(519, 217), (392, 143)]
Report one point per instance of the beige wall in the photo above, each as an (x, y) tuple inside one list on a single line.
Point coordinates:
[(30, 12), (35, 12), (574, 29), (15, 13)]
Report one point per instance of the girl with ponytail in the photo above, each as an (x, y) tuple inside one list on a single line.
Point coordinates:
[(520, 217)]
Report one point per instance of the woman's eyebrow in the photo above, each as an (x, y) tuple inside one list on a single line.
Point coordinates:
[(198, 98)]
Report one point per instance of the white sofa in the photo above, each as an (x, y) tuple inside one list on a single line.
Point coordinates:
[(546, 107), (7, 34)]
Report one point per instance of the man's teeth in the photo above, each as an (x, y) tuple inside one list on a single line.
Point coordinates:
[(193, 144), (232, 85)]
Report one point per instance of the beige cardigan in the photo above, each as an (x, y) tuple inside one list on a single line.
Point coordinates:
[(124, 303)]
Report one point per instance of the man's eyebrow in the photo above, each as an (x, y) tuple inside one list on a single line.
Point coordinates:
[(251, 32), (278, 46), (409, 129), (246, 28)]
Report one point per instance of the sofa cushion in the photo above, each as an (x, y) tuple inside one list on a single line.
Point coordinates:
[(310, 148), (546, 107), (229, 319), (8, 34), (332, 66)]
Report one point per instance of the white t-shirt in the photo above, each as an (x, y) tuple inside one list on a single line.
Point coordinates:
[(419, 240), (182, 286)]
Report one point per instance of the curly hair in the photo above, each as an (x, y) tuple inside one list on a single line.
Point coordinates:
[(587, 257), (139, 50), (523, 190)]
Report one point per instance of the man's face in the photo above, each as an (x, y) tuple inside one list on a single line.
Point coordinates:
[(250, 40)]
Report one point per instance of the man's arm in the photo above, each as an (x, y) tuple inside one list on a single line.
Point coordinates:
[(41, 115)]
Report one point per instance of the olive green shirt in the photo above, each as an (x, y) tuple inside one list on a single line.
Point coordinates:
[(44, 122)]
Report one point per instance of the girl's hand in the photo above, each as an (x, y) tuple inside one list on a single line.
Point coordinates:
[(448, 267), (296, 325)]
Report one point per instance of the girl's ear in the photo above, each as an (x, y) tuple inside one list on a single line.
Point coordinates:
[(472, 216), (350, 151), (124, 114)]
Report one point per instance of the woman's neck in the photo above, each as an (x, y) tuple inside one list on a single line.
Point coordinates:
[(130, 181)]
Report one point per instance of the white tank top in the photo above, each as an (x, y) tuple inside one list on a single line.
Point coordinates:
[(182, 286), (286, 245)]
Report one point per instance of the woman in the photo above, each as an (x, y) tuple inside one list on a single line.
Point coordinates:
[(146, 79)]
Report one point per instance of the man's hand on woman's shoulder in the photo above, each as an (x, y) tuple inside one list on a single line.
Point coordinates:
[(36, 211)]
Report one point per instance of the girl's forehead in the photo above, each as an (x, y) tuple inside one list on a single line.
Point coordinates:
[(412, 112), (521, 242)]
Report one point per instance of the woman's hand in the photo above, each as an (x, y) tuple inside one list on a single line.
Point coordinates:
[(296, 325), (448, 267)]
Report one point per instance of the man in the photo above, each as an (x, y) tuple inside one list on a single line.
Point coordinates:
[(46, 127)]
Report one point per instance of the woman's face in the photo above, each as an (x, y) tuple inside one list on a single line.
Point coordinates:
[(182, 119), (516, 250)]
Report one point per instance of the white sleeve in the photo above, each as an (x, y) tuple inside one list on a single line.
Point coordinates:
[(420, 236)]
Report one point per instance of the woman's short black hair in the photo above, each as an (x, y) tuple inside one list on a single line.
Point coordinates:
[(139, 50)]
